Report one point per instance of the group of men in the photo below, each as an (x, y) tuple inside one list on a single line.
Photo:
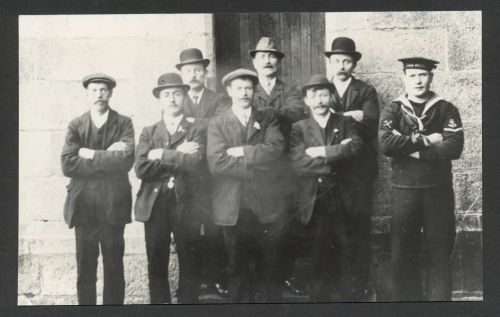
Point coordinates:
[(241, 178)]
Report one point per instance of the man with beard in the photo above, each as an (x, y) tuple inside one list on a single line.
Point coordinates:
[(97, 155), (320, 148), (201, 105), (168, 156), (244, 145), (272, 94), (422, 133), (358, 100)]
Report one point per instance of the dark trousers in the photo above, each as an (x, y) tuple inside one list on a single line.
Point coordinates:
[(357, 224), (430, 209), (213, 254), (247, 241), (328, 246), (110, 238)]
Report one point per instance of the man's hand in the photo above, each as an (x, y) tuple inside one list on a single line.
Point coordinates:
[(235, 151), (86, 153), (317, 151), (188, 147), (117, 146), (415, 155), (434, 138), (155, 154), (355, 114)]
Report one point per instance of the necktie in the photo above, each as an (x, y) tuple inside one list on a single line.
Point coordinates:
[(245, 119), (195, 100)]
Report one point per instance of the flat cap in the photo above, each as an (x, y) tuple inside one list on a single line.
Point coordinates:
[(169, 80), (418, 63), (240, 73), (99, 77), (319, 81)]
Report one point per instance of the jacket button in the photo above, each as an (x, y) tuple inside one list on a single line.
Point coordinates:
[(156, 190), (320, 180)]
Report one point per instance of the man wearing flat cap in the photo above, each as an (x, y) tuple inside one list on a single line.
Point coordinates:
[(320, 148), (244, 145), (422, 133), (98, 153), (201, 104), (167, 160), (358, 100), (272, 94)]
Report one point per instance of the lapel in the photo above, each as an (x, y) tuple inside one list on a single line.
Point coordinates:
[(111, 128), (161, 137), (205, 102), (332, 124), (181, 133), (253, 123), (278, 89), (84, 128), (351, 93), (315, 130), (235, 128), (260, 95)]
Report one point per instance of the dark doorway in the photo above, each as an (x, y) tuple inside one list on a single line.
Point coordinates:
[(300, 36)]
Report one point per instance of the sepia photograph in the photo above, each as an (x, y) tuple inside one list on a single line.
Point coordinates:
[(265, 157)]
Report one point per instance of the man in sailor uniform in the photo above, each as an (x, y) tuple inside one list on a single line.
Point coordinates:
[(422, 133)]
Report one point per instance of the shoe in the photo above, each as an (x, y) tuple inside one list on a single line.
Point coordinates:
[(291, 286)]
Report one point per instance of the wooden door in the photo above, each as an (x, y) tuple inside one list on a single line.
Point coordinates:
[(300, 36)]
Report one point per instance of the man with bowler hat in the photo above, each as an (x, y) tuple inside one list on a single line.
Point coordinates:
[(244, 145), (202, 104), (167, 159), (321, 149), (358, 100), (98, 153), (422, 133), (272, 94)]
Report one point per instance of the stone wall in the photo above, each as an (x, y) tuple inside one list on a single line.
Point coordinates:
[(454, 39), (55, 53)]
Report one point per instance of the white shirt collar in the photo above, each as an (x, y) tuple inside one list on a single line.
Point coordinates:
[(242, 113), (199, 95), (172, 123), (268, 85), (322, 121), (99, 119), (341, 86)]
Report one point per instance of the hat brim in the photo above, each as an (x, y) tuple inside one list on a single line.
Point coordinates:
[(156, 90), (204, 61), (330, 86), (356, 55), (111, 84), (253, 52), (227, 81)]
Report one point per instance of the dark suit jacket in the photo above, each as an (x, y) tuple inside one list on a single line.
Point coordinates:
[(285, 100), (108, 168), (307, 133), (263, 147), (361, 96), (173, 163), (211, 105)]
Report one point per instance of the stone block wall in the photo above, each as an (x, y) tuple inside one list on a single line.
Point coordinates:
[(453, 39), (56, 52)]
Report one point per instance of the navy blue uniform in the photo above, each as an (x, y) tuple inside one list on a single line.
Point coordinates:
[(422, 193)]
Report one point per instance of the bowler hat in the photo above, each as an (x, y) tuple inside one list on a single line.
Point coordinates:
[(418, 63), (169, 80), (240, 72), (344, 45), (191, 56), (99, 77), (266, 44), (319, 81)]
